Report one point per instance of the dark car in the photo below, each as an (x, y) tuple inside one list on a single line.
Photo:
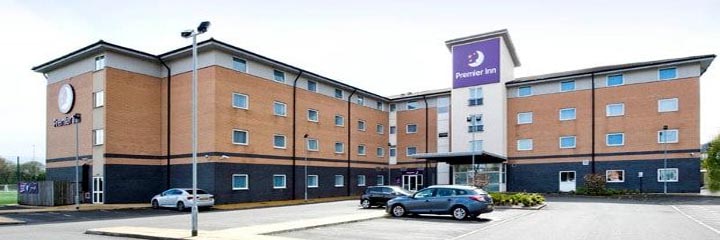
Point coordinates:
[(459, 201), (379, 195)]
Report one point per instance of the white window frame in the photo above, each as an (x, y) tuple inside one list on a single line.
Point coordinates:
[(521, 113), (380, 180), (100, 63), (99, 99), (407, 128), (364, 150), (342, 94), (677, 174), (528, 87), (380, 106), (560, 116), (607, 80), (363, 182), (274, 76), (241, 59), (382, 151), (284, 105), (614, 170), (392, 130), (307, 144), (247, 182), (247, 137), (607, 139), (317, 181), (342, 181), (574, 142), (677, 136), (379, 128), (391, 150), (247, 101), (524, 149), (307, 86), (342, 146), (360, 100), (660, 69), (607, 110), (407, 151), (98, 137), (342, 123), (571, 90), (362, 125), (317, 114), (415, 104), (284, 146), (284, 181), (677, 104)]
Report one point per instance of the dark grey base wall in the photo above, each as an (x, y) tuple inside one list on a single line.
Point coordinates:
[(68, 174), (545, 177), (133, 183)]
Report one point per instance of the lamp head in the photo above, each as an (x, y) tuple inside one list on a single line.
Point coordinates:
[(665, 127), (187, 33), (203, 27), (224, 157), (306, 135)]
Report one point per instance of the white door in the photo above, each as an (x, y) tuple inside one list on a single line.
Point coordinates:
[(97, 194), (567, 181), (412, 182)]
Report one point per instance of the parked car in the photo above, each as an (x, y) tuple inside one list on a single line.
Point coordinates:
[(379, 195), (459, 201), (181, 198)]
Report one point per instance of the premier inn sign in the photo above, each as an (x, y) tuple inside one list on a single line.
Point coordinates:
[(476, 63)]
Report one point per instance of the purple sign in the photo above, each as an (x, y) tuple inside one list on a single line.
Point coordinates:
[(476, 63), (28, 188)]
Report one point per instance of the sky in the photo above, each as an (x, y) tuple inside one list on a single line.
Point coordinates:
[(386, 47)]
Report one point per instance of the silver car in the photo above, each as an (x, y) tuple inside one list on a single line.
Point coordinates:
[(181, 198)]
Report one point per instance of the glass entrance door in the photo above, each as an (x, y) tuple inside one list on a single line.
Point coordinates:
[(97, 194), (412, 182)]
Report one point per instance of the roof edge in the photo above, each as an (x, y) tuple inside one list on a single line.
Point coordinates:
[(99, 44), (503, 33)]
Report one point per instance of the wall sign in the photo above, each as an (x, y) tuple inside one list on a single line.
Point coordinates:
[(66, 98), (476, 63)]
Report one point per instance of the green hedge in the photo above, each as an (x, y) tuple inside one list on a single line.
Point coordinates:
[(511, 199)]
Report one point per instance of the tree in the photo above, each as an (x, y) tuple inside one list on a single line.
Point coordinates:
[(712, 164), (7, 171), (32, 171)]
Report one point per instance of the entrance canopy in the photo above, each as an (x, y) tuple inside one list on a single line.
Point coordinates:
[(455, 158)]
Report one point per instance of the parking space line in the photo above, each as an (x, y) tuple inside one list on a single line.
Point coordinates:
[(493, 225), (695, 220)]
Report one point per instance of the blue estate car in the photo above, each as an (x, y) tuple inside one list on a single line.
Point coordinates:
[(459, 201)]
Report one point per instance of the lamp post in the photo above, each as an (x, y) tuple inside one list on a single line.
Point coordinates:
[(663, 135), (202, 28), (306, 164), (76, 120)]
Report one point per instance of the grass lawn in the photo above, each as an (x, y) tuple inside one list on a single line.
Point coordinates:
[(8, 198)]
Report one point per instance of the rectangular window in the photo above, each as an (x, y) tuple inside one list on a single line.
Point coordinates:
[(476, 146), (312, 86), (411, 128), (379, 106), (279, 109), (443, 105), (361, 150), (380, 180), (476, 97), (615, 139), (614, 80), (240, 137), (380, 152), (339, 147), (361, 125), (278, 76), (380, 129), (410, 151), (524, 91), (360, 100), (524, 144), (339, 180), (98, 137), (338, 93), (668, 175), (313, 115), (567, 114), (567, 86), (393, 107), (312, 181), (443, 135), (615, 109), (567, 142), (668, 105), (393, 129), (393, 151), (312, 144), (240, 101), (614, 176), (667, 73), (239, 65), (411, 105), (279, 141), (339, 120), (669, 136), (99, 62), (475, 123), (525, 118), (279, 181), (99, 99), (240, 182), (361, 180)]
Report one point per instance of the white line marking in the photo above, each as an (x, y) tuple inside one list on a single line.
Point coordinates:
[(492, 225), (697, 221)]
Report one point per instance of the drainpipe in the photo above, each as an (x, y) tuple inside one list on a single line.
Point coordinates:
[(427, 139), (349, 127), (592, 155), (167, 164), (294, 134)]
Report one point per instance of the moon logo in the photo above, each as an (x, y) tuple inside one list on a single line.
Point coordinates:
[(66, 98), (478, 57)]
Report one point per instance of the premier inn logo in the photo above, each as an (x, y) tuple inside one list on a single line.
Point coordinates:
[(66, 101)]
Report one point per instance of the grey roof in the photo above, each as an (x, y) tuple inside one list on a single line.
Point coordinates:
[(499, 33), (420, 94), (455, 154), (610, 68)]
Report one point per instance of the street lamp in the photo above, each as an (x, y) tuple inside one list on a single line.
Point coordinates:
[(188, 34), (306, 164), (663, 136), (76, 120)]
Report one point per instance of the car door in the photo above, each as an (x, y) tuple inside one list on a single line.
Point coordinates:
[(387, 194), (375, 194), (440, 203), (163, 199), (420, 201), (172, 199)]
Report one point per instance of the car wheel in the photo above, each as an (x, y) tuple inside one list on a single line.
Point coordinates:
[(180, 206), (398, 211), (155, 204), (460, 213), (365, 203)]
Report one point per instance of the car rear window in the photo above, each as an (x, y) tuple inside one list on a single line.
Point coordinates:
[(199, 191), (461, 192)]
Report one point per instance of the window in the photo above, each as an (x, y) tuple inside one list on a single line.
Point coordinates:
[(443, 105), (393, 151), (567, 114), (312, 86), (312, 115), (615, 176), (567, 86), (279, 109), (392, 129), (361, 125), (614, 80), (410, 151), (393, 107), (99, 62), (668, 175), (312, 144), (361, 150), (379, 106), (240, 182), (443, 135), (278, 181), (380, 152), (239, 65), (525, 118), (524, 91), (98, 137), (615, 109), (339, 120), (99, 99), (670, 136), (240, 137), (338, 93), (667, 73), (380, 129), (312, 181), (361, 180), (615, 139), (475, 122), (339, 147), (278, 76), (412, 105), (668, 105), (240, 101), (339, 180), (524, 144), (411, 128), (279, 141), (476, 97), (476, 146), (360, 100), (567, 142), (380, 180)]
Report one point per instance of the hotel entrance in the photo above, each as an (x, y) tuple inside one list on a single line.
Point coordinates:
[(412, 180), (490, 169)]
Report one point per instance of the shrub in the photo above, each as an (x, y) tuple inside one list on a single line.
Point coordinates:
[(594, 184), (511, 199)]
